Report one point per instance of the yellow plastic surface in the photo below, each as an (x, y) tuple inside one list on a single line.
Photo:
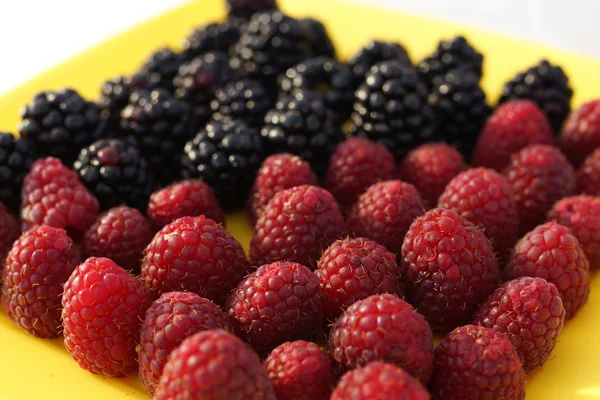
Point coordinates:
[(32, 368)]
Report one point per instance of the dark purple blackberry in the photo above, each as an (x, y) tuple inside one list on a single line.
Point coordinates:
[(211, 37), (226, 156), (317, 34), (116, 173), (244, 100), (449, 55), (59, 124), (241, 11), (303, 125), (160, 68), (374, 52), (391, 108), (547, 86), (16, 157), (114, 97)]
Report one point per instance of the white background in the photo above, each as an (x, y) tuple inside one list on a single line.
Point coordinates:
[(37, 34)]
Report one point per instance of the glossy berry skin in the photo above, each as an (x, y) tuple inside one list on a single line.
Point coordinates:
[(450, 268), (483, 197), (276, 303), (296, 225), (16, 157), (121, 234), (581, 214), (218, 36), (214, 365), (38, 265), (374, 52), (171, 319), (114, 97), (185, 198), (552, 252), (103, 309), (300, 370), (244, 9), (475, 362), (588, 175), (429, 168), (539, 175), (580, 134), (194, 254), (382, 328), (160, 68), (352, 270), (384, 213), (244, 100), (356, 164), (9, 231)]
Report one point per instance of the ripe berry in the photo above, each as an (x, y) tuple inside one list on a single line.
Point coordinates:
[(16, 157), (580, 135), (372, 53), (218, 36), (450, 268), (244, 100), (588, 175), (160, 68), (9, 232)]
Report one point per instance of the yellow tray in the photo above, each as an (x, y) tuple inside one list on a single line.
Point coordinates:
[(33, 368)]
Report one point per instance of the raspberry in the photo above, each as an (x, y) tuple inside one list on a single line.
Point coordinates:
[(278, 172), (450, 267), (296, 225), (588, 174), (581, 214), (213, 365), (429, 168), (194, 254), (513, 126), (474, 362), (552, 252), (172, 318), (277, 302), (382, 328), (539, 175), (530, 313), (483, 197), (384, 213), (352, 270), (355, 165), (9, 232), (37, 266), (580, 134), (121, 234), (300, 371), (103, 308), (186, 198)]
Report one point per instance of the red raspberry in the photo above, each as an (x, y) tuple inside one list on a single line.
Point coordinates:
[(37, 267), (121, 234), (539, 176), (379, 381), (530, 313), (385, 328), (384, 213), (276, 303), (194, 254), (103, 308), (588, 175), (214, 365), (581, 214), (352, 270), (300, 371), (278, 172), (187, 198), (474, 362), (356, 164), (450, 268), (483, 197), (429, 168), (173, 317), (552, 252), (580, 135), (513, 126), (9, 232), (52, 195), (297, 225)]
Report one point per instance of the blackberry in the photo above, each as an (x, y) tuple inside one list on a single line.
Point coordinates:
[(16, 157), (226, 156), (160, 68), (303, 125), (241, 11), (317, 34), (116, 173), (391, 108), (211, 37), (449, 55), (547, 86), (245, 100), (114, 96), (374, 52), (325, 75), (60, 123)]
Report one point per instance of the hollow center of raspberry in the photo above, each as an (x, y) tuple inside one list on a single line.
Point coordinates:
[(109, 156)]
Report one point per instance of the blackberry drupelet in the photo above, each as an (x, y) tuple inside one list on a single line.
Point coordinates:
[(16, 157), (374, 52), (160, 68), (303, 125), (547, 86), (114, 96), (226, 156), (211, 37), (245, 100), (60, 123), (391, 108), (116, 173), (317, 34), (241, 11)]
